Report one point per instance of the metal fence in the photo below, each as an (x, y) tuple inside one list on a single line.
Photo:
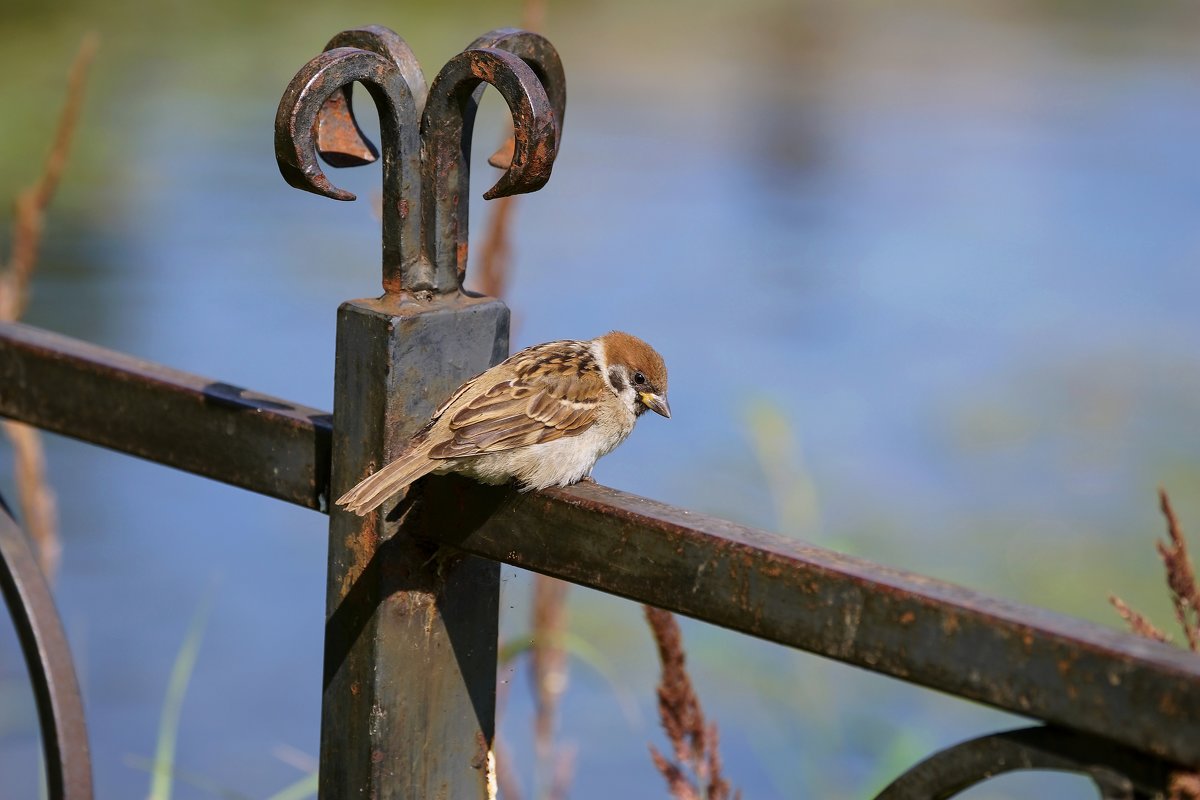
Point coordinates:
[(408, 709)]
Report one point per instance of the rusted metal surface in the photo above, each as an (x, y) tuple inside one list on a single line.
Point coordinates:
[(446, 134), (410, 639), (1022, 659), (224, 432), (536, 51), (1030, 661), (296, 124), (425, 142), (48, 659), (340, 141), (1118, 773)]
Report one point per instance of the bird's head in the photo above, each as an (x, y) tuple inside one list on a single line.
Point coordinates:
[(636, 372)]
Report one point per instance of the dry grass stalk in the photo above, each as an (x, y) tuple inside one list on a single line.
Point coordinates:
[(39, 505), (1181, 577), (548, 671), (1181, 582), (693, 742), (36, 499), (533, 15), (1137, 623), (506, 778), (31, 204), (495, 259)]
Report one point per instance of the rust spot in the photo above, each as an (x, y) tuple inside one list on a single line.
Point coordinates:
[(482, 69), (376, 756), (950, 624), (402, 206), (361, 543), (462, 253), (479, 761), (1167, 704), (907, 618), (338, 137), (355, 688)]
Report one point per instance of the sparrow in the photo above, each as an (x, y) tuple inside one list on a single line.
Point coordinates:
[(543, 417)]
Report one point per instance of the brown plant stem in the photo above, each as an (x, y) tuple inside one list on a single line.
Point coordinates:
[(31, 203), (694, 743), (1181, 577), (506, 778), (495, 259), (1137, 623), (1181, 583), (36, 499), (39, 505), (548, 671)]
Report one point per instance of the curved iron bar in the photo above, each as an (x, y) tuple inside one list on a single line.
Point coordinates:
[(1119, 772), (340, 141), (56, 691), (446, 129), (296, 126), (536, 51)]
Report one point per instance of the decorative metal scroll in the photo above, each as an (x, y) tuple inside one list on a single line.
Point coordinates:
[(60, 708), (1118, 772), (425, 138)]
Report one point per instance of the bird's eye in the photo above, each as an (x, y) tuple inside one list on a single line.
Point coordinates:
[(639, 378)]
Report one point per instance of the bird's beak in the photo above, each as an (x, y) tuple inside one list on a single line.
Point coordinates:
[(656, 404)]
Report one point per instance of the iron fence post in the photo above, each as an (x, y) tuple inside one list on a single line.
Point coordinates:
[(410, 653), (411, 632)]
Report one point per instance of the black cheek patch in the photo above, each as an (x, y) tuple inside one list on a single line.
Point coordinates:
[(617, 380)]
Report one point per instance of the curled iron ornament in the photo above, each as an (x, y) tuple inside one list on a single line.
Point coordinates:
[(1118, 772), (425, 138), (340, 141), (446, 129), (536, 51)]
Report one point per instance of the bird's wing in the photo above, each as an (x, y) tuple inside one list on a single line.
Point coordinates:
[(547, 392)]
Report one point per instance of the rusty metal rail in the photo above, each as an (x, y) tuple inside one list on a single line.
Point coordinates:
[(1026, 660)]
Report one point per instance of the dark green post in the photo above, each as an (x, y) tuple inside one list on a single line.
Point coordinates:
[(410, 636)]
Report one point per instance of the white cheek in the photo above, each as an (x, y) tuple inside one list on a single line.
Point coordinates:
[(629, 398)]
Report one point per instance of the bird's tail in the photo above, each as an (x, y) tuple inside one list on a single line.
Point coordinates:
[(373, 490)]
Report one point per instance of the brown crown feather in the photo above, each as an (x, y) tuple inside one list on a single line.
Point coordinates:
[(630, 351)]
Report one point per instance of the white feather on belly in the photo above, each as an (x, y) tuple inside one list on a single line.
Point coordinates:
[(557, 463)]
